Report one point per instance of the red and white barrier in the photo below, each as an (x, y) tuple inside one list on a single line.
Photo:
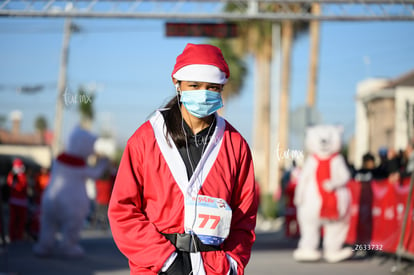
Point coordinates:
[(377, 215), (388, 205)]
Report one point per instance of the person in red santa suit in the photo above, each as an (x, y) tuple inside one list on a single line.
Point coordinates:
[(184, 199), (17, 181)]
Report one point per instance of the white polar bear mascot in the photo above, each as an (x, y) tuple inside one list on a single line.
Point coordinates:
[(65, 204), (322, 197)]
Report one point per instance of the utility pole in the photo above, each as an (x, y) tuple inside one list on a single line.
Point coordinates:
[(313, 64), (56, 146)]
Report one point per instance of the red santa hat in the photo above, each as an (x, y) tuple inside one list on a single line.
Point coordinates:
[(201, 62), (18, 166)]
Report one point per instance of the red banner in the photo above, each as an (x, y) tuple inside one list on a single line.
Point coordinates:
[(377, 215), (355, 189)]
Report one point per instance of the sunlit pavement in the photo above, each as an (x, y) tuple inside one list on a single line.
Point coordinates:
[(272, 254)]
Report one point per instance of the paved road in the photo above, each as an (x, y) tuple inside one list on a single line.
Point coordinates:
[(271, 255)]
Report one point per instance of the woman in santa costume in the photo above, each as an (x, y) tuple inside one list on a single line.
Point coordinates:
[(184, 199)]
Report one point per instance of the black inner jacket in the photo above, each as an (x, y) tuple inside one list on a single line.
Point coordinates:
[(196, 145)]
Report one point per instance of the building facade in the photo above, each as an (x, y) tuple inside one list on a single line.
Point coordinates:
[(384, 115)]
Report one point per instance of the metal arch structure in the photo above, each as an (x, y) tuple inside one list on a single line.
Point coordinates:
[(339, 10)]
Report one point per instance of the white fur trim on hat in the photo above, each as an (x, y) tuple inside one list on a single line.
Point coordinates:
[(200, 72)]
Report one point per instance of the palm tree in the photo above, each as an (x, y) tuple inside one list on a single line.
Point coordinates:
[(237, 66), (85, 107), (287, 41), (41, 127), (3, 120), (255, 37), (313, 63)]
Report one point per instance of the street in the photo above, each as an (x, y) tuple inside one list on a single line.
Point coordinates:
[(272, 254)]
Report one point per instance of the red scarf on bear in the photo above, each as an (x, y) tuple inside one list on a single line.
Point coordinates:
[(71, 160), (329, 207)]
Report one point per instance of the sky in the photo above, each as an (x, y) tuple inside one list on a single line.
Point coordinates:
[(128, 63)]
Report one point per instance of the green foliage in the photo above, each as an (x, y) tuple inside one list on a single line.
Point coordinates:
[(3, 119), (237, 67), (269, 208), (41, 123), (85, 106), (118, 155), (255, 37)]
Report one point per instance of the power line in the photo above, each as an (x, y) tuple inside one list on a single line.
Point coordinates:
[(28, 88), (57, 30)]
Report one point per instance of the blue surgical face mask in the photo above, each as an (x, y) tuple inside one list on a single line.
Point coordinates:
[(201, 103)]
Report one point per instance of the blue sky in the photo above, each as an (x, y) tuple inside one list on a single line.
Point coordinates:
[(131, 61)]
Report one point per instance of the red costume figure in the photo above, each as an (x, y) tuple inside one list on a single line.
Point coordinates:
[(17, 182), (41, 181), (104, 186), (291, 223)]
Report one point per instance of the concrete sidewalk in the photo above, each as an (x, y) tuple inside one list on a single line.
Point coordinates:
[(272, 254)]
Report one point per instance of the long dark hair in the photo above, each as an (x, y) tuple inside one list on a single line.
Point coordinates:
[(173, 121)]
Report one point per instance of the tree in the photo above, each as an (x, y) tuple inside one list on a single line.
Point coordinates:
[(41, 127), (3, 119), (255, 37), (237, 67), (313, 63), (85, 107), (41, 123)]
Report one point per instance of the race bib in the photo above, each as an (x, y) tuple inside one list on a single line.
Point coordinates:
[(209, 218)]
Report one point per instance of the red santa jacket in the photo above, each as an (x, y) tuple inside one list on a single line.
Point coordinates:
[(150, 190), (18, 188)]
